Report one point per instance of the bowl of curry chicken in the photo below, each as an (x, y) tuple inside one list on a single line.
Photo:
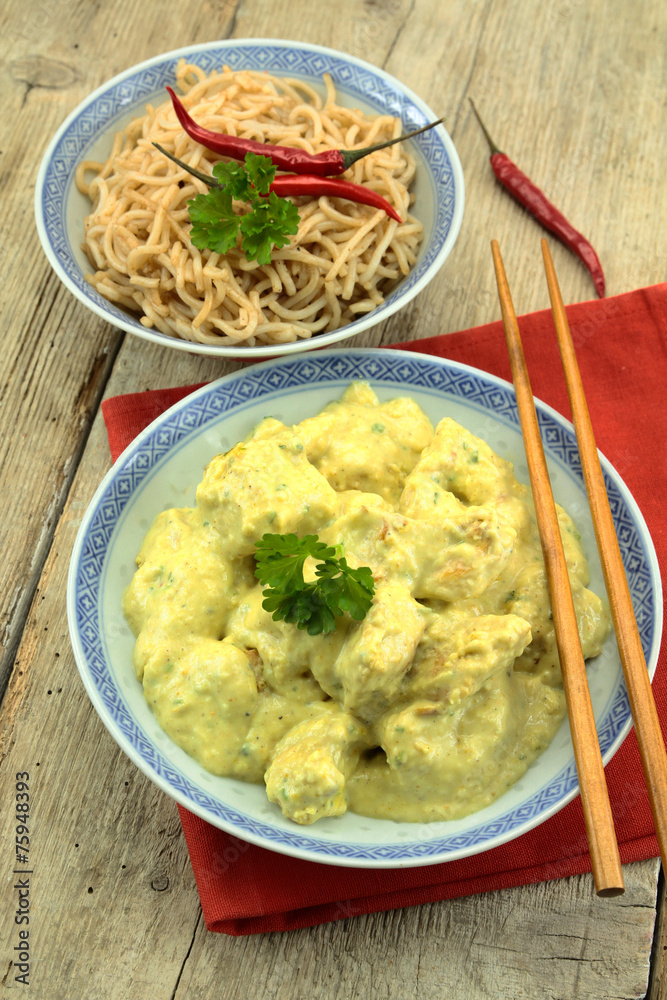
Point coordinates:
[(310, 603)]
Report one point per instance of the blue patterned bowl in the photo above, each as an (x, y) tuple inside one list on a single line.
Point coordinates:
[(162, 467), (87, 134)]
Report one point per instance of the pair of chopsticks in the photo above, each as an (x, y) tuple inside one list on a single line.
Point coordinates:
[(602, 843)]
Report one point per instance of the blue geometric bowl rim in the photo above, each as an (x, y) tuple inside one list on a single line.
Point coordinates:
[(437, 142), (302, 843)]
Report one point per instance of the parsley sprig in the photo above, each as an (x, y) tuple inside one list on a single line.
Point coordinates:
[(270, 221), (311, 606)]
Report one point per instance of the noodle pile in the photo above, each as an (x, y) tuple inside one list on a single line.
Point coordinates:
[(342, 261)]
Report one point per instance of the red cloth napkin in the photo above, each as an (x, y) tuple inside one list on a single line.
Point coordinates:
[(622, 349)]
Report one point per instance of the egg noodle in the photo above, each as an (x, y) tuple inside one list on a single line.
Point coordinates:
[(340, 264)]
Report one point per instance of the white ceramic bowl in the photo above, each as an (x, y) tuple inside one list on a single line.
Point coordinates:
[(88, 132), (161, 469)]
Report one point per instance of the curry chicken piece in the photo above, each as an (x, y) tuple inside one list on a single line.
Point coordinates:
[(458, 462), (444, 558), (161, 595), (455, 658), (459, 470), (285, 653), (204, 700), (460, 556), (469, 751), (307, 774), (265, 484), (358, 443), (378, 651)]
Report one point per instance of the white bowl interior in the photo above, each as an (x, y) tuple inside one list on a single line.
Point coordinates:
[(152, 476)]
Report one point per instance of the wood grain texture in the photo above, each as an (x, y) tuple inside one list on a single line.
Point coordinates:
[(657, 987), (113, 898), (56, 355), (476, 948), (581, 113), (567, 102)]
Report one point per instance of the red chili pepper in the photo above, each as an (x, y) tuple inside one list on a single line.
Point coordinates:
[(303, 185), (527, 194), (325, 164), (314, 187)]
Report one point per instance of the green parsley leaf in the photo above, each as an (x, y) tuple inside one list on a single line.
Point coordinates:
[(260, 171), (280, 559), (271, 223), (312, 606), (214, 224), (235, 179), (354, 586)]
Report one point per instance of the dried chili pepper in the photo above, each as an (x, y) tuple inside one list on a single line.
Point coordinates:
[(300, 185), (325, 164), (305, 185), (527, 194)]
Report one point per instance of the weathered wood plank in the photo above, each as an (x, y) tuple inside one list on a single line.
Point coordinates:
[(101, 852), (657, 988), (56, 355), (537, 942), (576, 112)]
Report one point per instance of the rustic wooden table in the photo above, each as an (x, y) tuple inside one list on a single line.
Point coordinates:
[(576, 92)]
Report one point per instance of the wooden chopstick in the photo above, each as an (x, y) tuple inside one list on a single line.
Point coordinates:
[(640, 695), (605, 860)]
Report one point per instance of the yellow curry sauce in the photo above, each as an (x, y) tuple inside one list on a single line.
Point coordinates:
[(437, 701)]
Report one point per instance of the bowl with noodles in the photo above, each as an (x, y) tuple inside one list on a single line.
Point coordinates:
[(112, 211)]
